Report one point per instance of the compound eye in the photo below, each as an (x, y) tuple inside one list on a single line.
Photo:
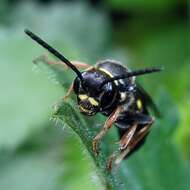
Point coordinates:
[(76, 85), (108, 96)]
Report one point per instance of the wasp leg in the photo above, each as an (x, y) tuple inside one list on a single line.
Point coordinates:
[(111, 159), (44, 58), (69, 92), (134, 141), (125, 140), (81, 65), (132, 137), (108, 124), (40, 59)]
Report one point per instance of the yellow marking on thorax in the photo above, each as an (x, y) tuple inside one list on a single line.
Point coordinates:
[(109, 74), (139, 104)]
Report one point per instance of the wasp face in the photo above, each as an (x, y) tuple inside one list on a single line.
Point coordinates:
[(88, 105), (87, 101), (92, 99)]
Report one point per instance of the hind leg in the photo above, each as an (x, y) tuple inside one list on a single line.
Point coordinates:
[(133, 143), (132, 138), (125, 140)]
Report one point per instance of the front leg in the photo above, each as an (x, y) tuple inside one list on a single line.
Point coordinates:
[(69, 92), (44, 58), (108, 124)]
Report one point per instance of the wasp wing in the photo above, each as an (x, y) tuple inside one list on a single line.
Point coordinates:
[(147, 100)]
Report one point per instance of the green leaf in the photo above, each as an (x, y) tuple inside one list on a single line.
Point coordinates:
[(47, 157), (143, 167), (158, 165)]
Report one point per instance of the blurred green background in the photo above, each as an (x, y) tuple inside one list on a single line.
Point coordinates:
[(36, 153)]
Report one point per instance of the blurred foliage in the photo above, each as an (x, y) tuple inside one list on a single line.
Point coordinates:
[(36, 155), (145, 5)]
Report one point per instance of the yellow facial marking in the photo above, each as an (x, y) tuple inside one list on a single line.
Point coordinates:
[(90, 99), (93, 101), (83, 96), (83, 109), (139, 104)]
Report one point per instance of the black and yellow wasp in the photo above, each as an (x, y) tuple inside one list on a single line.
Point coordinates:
[(109, 88)]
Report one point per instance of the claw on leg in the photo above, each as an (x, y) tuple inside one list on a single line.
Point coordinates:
[(122, 156), (41, 58), (97, 139), (95, 146), (111, 160)]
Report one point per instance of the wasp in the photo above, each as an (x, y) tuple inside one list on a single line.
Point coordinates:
[(110, 88)]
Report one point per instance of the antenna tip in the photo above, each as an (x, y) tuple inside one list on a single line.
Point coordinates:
[(162, 68), (27, 31), (159, 69)]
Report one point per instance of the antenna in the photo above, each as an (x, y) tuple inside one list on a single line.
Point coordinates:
[(54, 52), (133, 73)]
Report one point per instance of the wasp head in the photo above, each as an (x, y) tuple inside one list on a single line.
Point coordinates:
[(91, 98)]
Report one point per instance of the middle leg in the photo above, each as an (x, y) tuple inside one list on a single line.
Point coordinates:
[(108, 124)]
